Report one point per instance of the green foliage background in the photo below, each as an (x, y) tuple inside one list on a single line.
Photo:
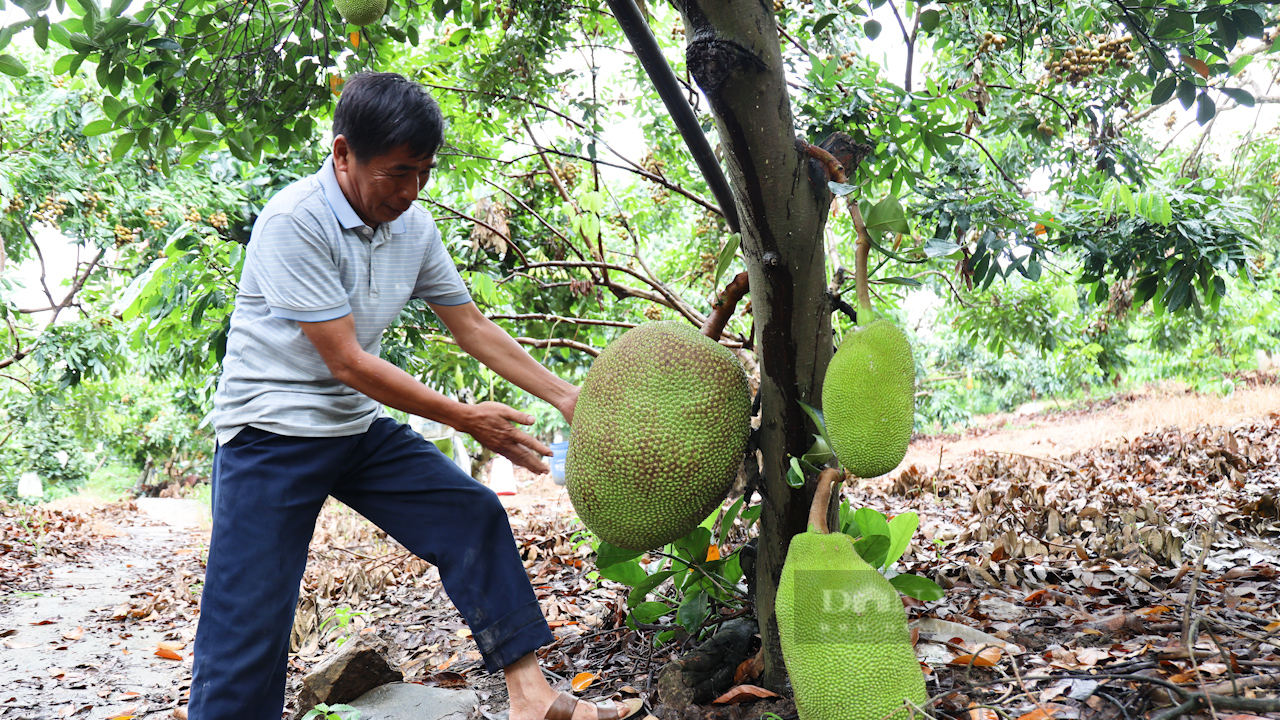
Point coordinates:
[(158, 135)]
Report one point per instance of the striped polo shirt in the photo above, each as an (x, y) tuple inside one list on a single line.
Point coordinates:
[(311, 258)]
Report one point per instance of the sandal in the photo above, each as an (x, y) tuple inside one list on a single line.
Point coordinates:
[(562, 708)]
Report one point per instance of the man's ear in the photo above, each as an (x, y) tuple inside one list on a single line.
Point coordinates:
[(343, 158)]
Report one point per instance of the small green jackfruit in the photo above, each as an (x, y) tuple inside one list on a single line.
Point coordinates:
[(361, 12), (658, 434), (868, 399), (844, 632)]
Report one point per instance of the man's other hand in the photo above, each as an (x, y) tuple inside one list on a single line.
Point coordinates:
[(490, 423)]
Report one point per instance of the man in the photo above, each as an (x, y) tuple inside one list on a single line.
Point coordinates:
[(332, 260)]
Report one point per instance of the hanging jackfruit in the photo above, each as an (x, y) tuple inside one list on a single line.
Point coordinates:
[(868, 399), (843, 629), (658, 435)]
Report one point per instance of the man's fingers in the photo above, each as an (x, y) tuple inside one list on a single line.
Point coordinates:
[(527, 460)]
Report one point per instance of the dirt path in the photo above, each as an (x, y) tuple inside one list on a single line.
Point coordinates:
[(76, 649), (1041, 430)]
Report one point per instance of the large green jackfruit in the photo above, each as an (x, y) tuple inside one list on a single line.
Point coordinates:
[(868, 399), (361, 12), (844, 633), (658, 435)]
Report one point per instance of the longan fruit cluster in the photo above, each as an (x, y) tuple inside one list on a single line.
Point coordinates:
[(218, 220), (68, 146), (991, 42), (126, 235), (653, 164), (568, 173), (192, 216), (49, 210), (16, 204), (93, 199), (653, 312), (1092, 55), (507, 14), (155, 218)]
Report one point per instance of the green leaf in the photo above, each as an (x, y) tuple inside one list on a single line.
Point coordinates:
[(627, 573), (97, 127), (795, 476), (1168, 26), (841, 189), (1164, 90), (693, 610), (121, 146), (646, 586), (607, 555), (648, 612), (730, 515), (111, 107), (1244, 97), (1205, 109), (901, 528), (917, 587), (936, 248), (1226, 31), (819, 453), (818, 419), (63, 64), (873, 549), (887, 216), (872, 29), (10, 65), (871, 522), (727, 253), (41, 32), (904, 281), (694, 546), (1240, 64), (1248, 22), (1186, 93), (823, 22), (164, 43), (930, 20)]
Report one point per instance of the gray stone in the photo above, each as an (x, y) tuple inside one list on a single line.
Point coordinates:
[(408, 701), (360, 666)]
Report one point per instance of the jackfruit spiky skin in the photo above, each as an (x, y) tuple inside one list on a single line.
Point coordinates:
[(658, 435), (868, 399), (361, 12), (844, 634)]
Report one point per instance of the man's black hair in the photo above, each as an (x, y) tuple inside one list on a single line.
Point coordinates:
[(382, 111)]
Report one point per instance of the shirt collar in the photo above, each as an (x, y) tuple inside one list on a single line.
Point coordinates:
[(341, 207)]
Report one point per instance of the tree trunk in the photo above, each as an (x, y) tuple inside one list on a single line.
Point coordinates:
[(734, 56)]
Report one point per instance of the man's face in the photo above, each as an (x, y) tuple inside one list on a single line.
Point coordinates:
[(383, 187)]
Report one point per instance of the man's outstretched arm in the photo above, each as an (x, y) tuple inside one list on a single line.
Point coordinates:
[(483, 340), (490, 423)]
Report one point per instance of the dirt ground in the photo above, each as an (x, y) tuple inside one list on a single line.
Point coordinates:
[(1042, 429), (98, 602)]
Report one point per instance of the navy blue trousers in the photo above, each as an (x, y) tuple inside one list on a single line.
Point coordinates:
[(267, 493)]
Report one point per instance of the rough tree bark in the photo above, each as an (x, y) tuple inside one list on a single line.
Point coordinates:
[(734, 55)]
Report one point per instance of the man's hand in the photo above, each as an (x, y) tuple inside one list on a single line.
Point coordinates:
[(490, 424), (567, 405)]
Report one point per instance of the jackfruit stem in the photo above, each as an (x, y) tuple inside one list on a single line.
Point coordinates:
[(725, 305), (862, 252), (827, 480)]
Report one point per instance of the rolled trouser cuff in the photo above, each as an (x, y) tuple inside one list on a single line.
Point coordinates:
[(513, 636)]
